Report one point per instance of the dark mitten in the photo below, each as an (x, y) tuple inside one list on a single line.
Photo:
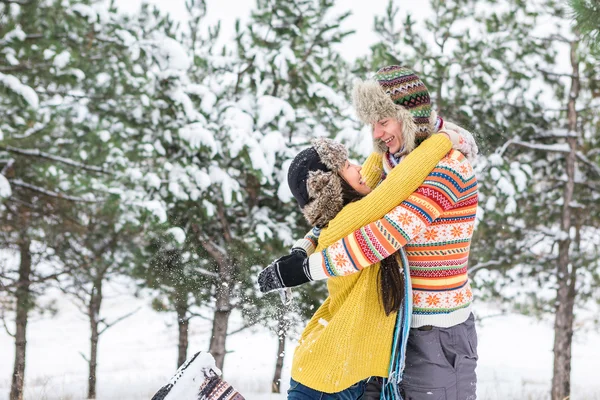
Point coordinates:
[(287, 271)]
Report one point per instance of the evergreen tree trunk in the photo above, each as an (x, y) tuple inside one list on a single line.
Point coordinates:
[(93, 313), (281, 336), (222, 313), (23, 299), (183, 322), (563, 324)]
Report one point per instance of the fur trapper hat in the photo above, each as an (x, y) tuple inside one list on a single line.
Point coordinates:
[(396, 92), (315, 183)]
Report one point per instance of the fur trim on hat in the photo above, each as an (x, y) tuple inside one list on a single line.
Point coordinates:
[(325, 190), (333, 154), (372, 104)]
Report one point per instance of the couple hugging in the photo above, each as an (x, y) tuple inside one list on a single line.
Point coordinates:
[(392, 239)]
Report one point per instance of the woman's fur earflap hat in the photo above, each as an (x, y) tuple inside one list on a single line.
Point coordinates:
[(315, 183), (396, 92)]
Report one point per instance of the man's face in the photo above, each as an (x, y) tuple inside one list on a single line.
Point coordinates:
[(389, 130)]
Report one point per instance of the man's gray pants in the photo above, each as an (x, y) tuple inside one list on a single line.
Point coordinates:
[(440, 363)]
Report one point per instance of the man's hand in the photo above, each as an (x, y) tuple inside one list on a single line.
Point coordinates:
[(287, 271)]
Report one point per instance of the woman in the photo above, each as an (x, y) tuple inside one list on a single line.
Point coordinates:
[(345, 349)]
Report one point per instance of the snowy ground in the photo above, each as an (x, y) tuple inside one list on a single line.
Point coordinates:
[(138, 355)]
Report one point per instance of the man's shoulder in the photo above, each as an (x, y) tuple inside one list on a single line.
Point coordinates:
[(456, 163)]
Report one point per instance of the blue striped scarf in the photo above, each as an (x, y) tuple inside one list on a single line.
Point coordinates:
[(391, 385)]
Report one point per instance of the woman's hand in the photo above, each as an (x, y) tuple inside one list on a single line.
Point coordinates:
[(453, 136), (462, 140), (287, 271)]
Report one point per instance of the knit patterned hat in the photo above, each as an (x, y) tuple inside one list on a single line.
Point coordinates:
[(315, 183), (396, 92)]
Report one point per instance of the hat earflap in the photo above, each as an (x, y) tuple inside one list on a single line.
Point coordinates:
[(325, 191), (332, 154)]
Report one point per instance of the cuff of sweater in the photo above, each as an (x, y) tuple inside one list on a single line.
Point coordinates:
[(305, 245), (315, 267)]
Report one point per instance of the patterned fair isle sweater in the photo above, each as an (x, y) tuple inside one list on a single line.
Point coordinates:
[(434, 225)]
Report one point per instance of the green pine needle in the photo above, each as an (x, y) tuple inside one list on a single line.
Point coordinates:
[(586, 14)]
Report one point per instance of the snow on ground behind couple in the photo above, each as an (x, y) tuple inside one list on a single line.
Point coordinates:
[(138, 355)]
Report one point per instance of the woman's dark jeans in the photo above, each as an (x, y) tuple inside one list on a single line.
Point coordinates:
[(361, 390)]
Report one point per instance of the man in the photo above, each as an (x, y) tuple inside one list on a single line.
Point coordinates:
[(434, 226)]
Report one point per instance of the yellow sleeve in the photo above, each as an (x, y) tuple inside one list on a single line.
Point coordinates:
[(400, 183), (372, 169)]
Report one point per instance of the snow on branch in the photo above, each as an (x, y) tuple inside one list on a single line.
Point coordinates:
[(5, 190), (26, 92), (555, 148), (560, 75), (587, 161), (482, 265), (67, 161), (205, 272), (555, 37), (18, 182)]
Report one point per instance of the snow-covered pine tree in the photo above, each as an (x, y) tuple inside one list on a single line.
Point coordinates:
[(290, 63), (587, 14), (229, 123), (70, 94), (101, 250), (537, 240), (451, 49), (493, 70), (174, 168), (458, 49)]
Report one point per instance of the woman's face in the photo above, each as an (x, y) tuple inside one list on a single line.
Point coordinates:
[(351, 174)]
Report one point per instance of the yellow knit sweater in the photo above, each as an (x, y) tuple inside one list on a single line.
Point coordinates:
[(349, 338)]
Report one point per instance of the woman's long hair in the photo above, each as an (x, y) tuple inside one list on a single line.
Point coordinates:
[(391, 279)]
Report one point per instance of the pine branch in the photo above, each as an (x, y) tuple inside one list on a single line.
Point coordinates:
[(314, 43), (585, 160), (546, 72), (192, 314), (586, 14), (35, 281), (593, 152), (205, 272), (63, 160), (24, 67), (552, 38), (79, 299), (241, 74), (118, 320), (555, 148), (484, 265), (6, 328), (9, 165), (30, 132), (243, 328), (84, 357), (500, 314), (49, 193)]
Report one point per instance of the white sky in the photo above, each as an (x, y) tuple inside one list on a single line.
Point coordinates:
[(228, 11)]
